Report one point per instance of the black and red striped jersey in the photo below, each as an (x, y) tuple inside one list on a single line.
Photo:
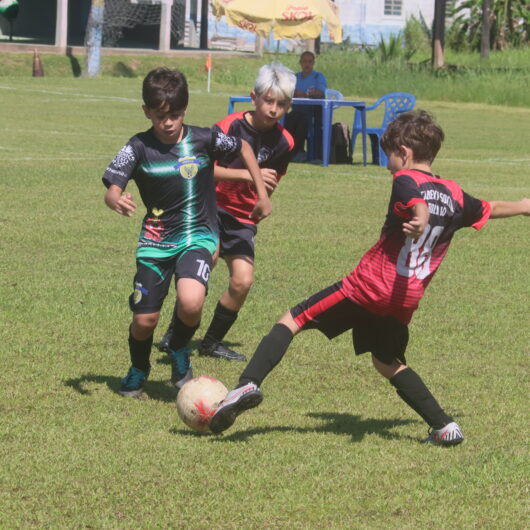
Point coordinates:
[(391, 277), (272, 150)]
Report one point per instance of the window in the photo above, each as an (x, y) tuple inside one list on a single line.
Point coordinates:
[(393, 7)]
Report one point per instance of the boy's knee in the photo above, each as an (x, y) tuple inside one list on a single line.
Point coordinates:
[(241, 284), (387, 370), (190, 309), (143, 325)]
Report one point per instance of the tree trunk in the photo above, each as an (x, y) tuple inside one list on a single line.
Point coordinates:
[(438, 34), (94, 38), (485, 36)]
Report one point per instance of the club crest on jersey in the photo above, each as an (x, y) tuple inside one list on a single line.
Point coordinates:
[(188, 166), (139, 291)]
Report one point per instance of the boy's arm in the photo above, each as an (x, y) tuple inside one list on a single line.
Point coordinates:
[(263, 206), (500, 209), (269, 176), (120, 202), (420, 218)]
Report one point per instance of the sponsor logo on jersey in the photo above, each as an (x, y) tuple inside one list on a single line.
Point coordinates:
[(188, 166)]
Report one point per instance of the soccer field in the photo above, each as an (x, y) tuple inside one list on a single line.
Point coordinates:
[(332, 445)]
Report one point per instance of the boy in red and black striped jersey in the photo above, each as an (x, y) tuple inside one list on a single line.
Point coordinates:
[(376, 301), (236, 195)]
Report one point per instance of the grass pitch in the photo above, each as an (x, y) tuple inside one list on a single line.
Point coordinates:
[(331, 444)]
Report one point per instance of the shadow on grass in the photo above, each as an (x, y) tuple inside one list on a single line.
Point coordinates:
[(158, 390), (335, 423)]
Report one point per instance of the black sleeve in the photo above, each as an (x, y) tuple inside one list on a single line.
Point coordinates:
[(122, 168), (223, 145), (474, 210)]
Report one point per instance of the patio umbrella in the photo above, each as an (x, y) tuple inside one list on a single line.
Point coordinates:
[(287, 19)]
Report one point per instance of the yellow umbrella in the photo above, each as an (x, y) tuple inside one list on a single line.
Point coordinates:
[(287, 19)]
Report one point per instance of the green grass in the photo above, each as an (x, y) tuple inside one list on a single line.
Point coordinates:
[(332, 445), (501, 80)]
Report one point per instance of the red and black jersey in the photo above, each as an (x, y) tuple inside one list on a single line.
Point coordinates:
[(272, 150), (392, 276)]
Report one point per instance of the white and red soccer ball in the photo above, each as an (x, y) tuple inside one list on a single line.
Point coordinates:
[(198, 400)]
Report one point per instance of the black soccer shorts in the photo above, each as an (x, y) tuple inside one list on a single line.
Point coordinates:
[(332, 313), (153, 277), (236, 238)]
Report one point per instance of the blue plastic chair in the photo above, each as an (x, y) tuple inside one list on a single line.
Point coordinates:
[(395, 103)]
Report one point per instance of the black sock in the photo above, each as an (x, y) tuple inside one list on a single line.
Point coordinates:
[(222, 321), (412, 390), (268, 354), (182, 334), (140, 351)]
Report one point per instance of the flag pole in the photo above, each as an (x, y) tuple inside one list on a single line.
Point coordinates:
[(208, 68)]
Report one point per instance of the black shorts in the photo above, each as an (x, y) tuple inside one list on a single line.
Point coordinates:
[(153, 277), (236, 238), (332, 313)]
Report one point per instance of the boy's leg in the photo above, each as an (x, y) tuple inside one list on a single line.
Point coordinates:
[(241, 269), (186, 320), (329, 311), (151, 284), (413, 391), (247, 394)]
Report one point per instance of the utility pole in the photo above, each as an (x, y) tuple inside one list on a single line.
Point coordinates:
[(94, 38), (438, 34), (485, 34), (204, 25)]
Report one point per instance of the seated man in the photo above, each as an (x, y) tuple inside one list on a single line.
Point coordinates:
[(309, 84)]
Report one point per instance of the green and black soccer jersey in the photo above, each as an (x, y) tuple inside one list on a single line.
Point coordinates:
[(176, 185)]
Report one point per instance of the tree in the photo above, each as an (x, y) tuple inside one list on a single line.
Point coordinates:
[(438, 34), (485, 31), (509, 24)]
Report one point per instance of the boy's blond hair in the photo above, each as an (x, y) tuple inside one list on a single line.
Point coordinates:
[(278, 79)]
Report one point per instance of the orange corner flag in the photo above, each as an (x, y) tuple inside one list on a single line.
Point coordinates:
[(208, 63)]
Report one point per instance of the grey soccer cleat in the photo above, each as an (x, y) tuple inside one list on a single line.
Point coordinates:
[(446, 436), (235, 402)]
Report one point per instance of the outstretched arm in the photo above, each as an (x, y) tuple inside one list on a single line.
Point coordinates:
[(263, 206), (120, 202), (420, 217), (500, 209)]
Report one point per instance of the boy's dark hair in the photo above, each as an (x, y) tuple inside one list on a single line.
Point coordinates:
[(163, 86), (417, 130)]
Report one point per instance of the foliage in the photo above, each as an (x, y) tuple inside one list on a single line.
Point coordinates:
[(509, 24), (417, 35), (392, 49), (332, 445)]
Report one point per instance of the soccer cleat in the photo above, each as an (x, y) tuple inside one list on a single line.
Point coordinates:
[(163, 345), (235, 402), (219, 350), (181, 371), (447, 436), (132, 384)]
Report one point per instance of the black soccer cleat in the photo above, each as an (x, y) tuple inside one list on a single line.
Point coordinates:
[(219, 350), (236, 402)]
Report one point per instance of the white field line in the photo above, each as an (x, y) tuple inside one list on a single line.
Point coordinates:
[(65, 133), (95, 97)]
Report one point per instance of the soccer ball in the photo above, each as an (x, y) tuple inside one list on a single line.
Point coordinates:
[(198, 400)]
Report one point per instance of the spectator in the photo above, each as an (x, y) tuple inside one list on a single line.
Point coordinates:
[(309, 84)]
